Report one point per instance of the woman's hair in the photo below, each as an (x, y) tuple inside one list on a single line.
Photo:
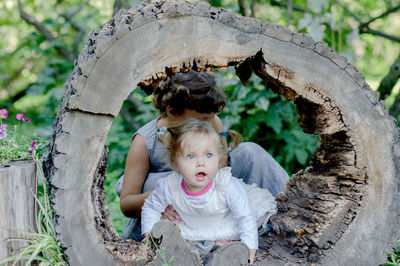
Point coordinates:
[(192, 90), (174, 139)]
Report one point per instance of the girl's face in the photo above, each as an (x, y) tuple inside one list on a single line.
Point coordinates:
[(198, 161), (187, 114)]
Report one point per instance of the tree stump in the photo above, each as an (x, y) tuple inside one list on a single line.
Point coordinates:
[(18, 185), (173, 246), (342, 210)]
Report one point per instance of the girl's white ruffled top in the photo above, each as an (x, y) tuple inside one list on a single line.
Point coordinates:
[(230, 209)]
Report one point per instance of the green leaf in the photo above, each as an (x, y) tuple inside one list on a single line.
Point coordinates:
[(262, 103), (301, 156), (318, 5), (274, 121), (289, 155), (243, 91)]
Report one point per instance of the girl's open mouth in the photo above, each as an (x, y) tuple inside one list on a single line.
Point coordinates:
[(200, 175)]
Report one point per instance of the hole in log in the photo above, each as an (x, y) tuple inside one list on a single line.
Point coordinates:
[(318, 203)]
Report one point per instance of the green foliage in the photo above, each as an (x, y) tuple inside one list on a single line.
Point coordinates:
[(394, 258), (13, 146), (150, 242), (269, 120), (41, 246)]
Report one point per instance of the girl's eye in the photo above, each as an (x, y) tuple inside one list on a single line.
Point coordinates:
[(190, 156), (209, 155)]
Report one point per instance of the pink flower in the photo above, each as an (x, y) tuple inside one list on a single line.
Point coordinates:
[(3, 131), (3, 114), (33, 147), (22, 117)]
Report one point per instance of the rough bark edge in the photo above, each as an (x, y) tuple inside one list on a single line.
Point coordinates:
[(99, 41), (296, 226), (123, 250)]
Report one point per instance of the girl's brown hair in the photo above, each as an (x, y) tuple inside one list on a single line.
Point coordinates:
[(192, 90), (174, 139)]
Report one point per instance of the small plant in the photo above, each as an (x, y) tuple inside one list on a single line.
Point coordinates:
[(394, 258), (42, 247), (149, 241), (12, 146)]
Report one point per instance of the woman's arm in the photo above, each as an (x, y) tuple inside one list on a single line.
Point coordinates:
[(136, 169), (218, 124)]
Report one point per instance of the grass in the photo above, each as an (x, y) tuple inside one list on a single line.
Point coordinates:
[(41, 246), (150, 243)]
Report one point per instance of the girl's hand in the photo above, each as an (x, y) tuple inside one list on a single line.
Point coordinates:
[(252, 256), (171, 214)]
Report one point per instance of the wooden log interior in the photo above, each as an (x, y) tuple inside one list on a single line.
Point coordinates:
[(18, 185)]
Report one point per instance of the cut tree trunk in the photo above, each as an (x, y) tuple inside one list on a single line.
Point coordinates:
[(342, 210), (18, 185)]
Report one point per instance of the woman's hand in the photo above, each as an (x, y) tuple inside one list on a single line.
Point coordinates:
[(171, 214), (252, 256)]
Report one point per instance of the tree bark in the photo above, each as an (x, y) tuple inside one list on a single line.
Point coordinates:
[(242, 8), (289, 11), (388, 82), (254, 7), (395, 108), (342, 210), (18, 185)]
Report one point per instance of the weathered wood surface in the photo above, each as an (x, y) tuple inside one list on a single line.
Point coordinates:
[(173, 246), (342, 210), (18, 182)]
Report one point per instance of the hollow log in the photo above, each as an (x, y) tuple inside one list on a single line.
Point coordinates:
[(341, 210), (18, 185)]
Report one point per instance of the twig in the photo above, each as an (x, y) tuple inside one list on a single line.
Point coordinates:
[(126, 115), (351, 13), (79, 29), (242, 8), (381, 34), (78, 9), (388, 82), (364, 26), (44, 31), (260, 256), (285, 5), (119, 4), (395, 109), (384, 14), (16, 74), (289, 11), (254, 5)]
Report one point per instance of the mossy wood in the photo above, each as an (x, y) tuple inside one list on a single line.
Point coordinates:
[(342, 210), (18, 188)]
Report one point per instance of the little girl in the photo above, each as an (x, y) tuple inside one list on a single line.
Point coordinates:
[(183, 96), (212, 204)]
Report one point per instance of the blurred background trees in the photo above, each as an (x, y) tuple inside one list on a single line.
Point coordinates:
[(41, 39)]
